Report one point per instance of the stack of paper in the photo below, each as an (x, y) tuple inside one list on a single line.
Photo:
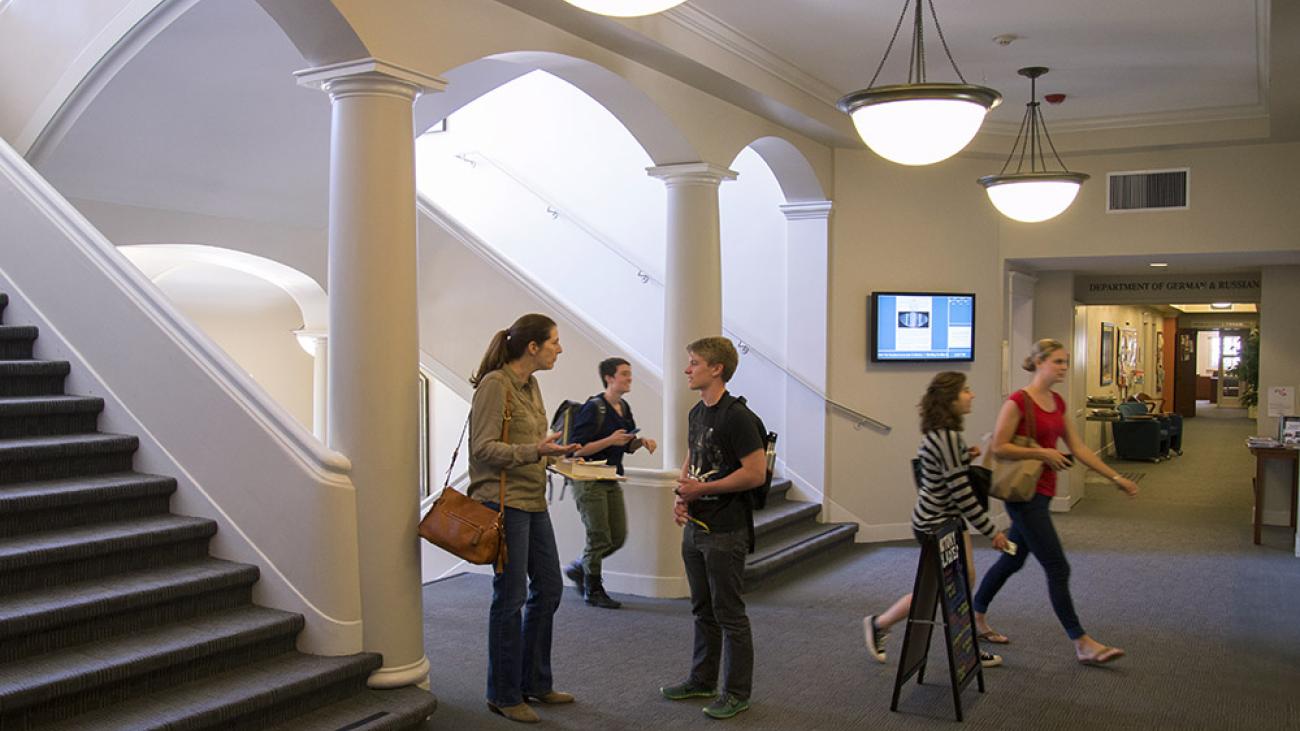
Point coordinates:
[(579, 470)]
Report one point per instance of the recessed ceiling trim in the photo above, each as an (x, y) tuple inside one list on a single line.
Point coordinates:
[(1151, 119), (715, 31)]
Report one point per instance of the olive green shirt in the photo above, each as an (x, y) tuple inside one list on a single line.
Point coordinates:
[(488, 454)]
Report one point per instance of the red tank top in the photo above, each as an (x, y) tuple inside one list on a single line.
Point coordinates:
[(1049, 428)]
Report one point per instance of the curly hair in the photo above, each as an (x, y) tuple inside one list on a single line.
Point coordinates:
[(936, 405)]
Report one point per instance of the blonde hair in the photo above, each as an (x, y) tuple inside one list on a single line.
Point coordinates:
[(717, 351), (1042, 349)]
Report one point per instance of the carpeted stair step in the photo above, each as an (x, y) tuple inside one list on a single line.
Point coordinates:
[(56, 457), (51, 558), (16, 341), (32, 416), (795, 543), (32, 377), (779, 491), (778, 515), (369, 710), (44, 620), (256, 697), (79, 679), (33, 506)]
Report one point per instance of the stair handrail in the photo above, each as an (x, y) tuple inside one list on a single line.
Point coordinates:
[(557, 302), (860, 420), (556, 209)]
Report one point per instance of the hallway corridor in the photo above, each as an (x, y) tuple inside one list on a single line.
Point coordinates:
[(1207, 618)]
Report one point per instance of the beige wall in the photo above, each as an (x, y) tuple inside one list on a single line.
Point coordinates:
[(899, 228), (1279, 365), (1242, 198)]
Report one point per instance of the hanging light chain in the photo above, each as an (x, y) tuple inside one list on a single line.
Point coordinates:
[(916, 55), (1028, 141), (897, 26), (944, 41)]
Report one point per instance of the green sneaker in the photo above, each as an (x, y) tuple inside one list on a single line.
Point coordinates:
[(726, 706), (682, 691)]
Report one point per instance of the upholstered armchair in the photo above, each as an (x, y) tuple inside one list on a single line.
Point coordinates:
[(1138, 435)]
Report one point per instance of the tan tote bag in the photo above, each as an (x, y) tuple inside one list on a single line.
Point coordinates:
[(464, 526), (1016, 480)]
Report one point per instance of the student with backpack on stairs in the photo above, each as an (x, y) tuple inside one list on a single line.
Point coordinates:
[(605, 427)]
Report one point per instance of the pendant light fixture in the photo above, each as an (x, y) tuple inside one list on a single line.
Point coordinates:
[(625, 8), (918, 123), (1038, 193)]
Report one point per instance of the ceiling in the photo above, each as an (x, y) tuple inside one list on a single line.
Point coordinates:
[(1119, 62)]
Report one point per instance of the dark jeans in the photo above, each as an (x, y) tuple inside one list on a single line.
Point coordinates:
[(600, 502), (519, 643), (1033, 532), (715, 570)]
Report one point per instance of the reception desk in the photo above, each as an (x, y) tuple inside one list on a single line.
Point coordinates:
[(1207, 389)]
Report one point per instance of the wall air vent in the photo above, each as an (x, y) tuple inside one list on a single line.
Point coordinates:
[(1147, 190)]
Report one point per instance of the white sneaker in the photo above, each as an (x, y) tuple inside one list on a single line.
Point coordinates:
[(989, 660), (875, 637)]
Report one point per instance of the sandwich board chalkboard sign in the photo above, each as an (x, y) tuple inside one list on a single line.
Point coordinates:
[(941, 582)]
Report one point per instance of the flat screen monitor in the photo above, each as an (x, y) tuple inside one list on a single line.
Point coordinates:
[(916, 327)]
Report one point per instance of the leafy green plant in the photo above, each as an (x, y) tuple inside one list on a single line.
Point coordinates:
[(1248, 369)]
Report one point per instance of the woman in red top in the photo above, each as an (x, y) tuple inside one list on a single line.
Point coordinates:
[(1031, 522)]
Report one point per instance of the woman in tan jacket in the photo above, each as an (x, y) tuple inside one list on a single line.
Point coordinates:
[(527, 592)]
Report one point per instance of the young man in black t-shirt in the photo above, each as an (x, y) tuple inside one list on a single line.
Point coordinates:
[(726, 458)]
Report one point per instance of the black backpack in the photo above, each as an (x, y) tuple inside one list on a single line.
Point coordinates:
[(567, 412), (757, 496)]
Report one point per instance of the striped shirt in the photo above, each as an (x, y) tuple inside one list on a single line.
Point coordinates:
[(945, 489)]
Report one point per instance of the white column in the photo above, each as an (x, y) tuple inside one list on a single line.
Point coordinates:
[(803, 446), (374, 344), (317, 346), (692, 286)]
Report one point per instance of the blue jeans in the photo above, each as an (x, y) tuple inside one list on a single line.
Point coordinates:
[(519, 631), (1033, 532)]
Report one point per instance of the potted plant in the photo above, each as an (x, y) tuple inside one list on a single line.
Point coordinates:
[(1247, 370)]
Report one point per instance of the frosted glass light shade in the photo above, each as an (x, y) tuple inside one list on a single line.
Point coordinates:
[(625, 8), (919, 131), (1033, 197), (919, 124)]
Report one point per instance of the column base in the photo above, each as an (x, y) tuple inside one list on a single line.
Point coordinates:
[(416, 673)]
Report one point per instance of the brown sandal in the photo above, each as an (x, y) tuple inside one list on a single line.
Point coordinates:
[(993, 638), (1104, 656)]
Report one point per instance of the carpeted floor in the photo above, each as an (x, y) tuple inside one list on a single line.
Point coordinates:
[(1209, 622)]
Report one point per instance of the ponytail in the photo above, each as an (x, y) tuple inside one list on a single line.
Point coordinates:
[(510, 344)]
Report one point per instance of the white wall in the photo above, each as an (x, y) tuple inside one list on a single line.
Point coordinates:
[(253, 321)]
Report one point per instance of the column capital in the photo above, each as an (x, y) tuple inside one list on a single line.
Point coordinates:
[(369, 76), (807, 210), (691, 173)]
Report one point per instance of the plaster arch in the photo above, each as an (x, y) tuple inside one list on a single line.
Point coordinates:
[(155, 260), (793, 172), (657, 134)]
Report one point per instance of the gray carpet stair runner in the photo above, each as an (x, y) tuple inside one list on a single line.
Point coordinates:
[(112, 613), (786, 532)]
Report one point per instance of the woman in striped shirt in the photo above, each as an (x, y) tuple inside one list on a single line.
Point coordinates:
[(945, 493)]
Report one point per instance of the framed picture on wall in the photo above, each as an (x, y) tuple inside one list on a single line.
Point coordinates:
[(1160, 361), (1107, 353), (1128, 349)]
